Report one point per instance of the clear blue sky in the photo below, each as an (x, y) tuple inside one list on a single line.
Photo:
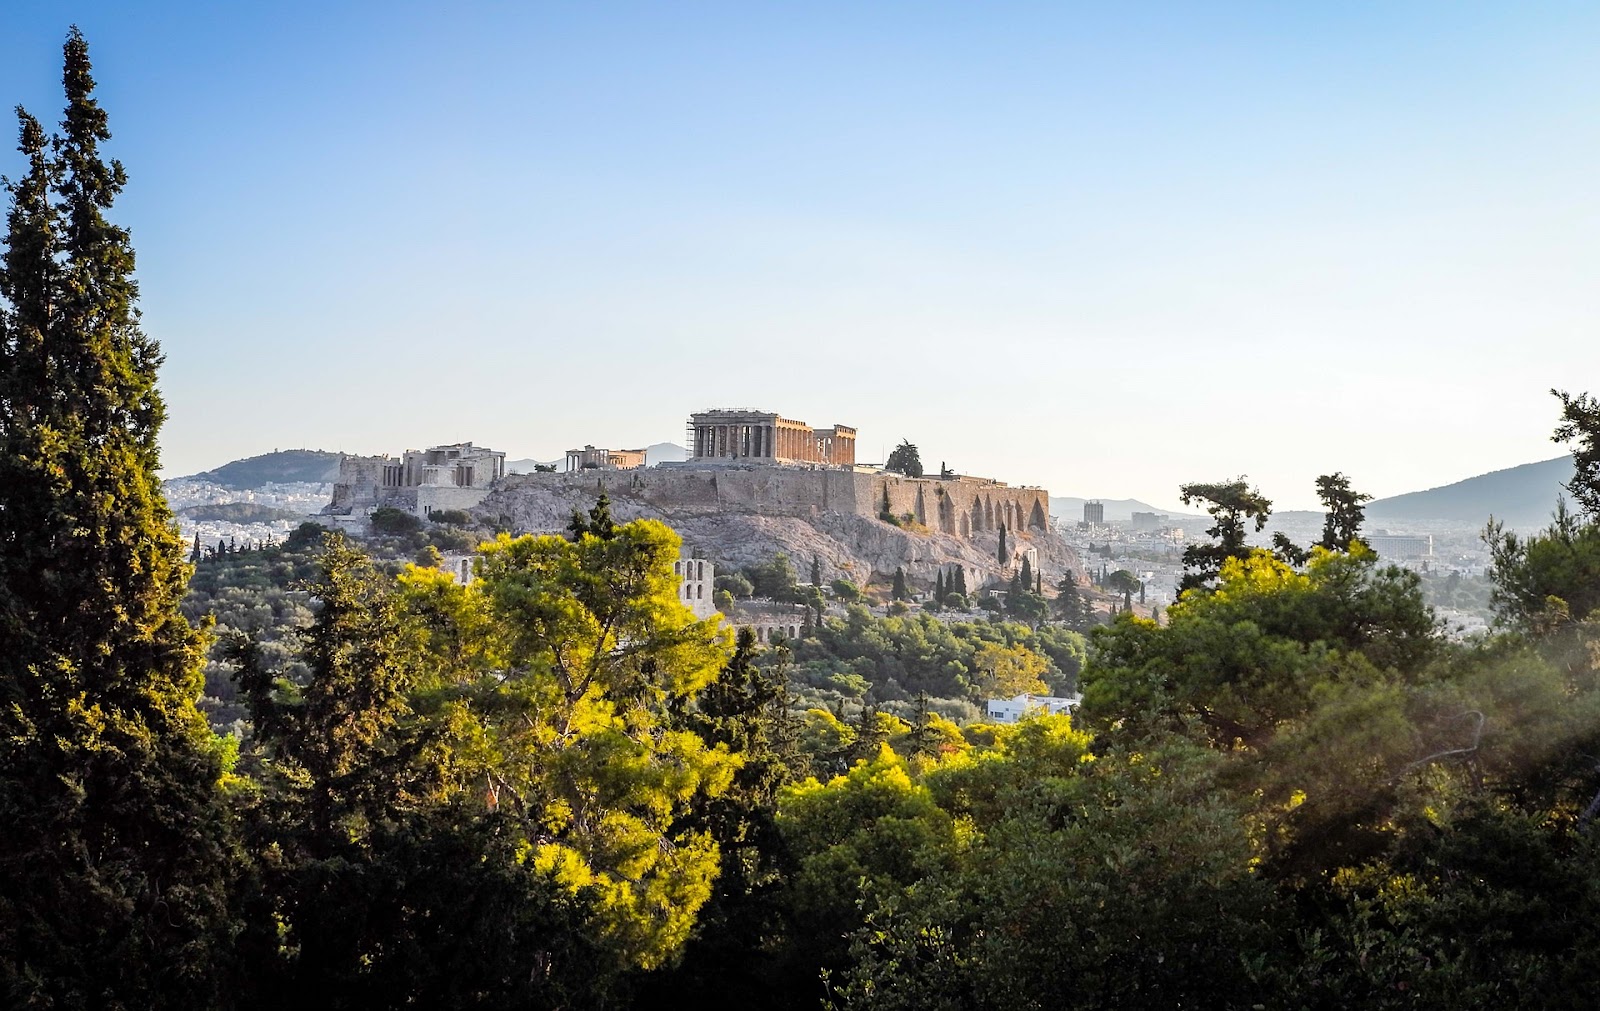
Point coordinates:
[(1100, 248)]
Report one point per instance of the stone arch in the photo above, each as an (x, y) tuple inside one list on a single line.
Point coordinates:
[(977, 513), (966, 525), (1036, 519), (988, 514), (922, 508)]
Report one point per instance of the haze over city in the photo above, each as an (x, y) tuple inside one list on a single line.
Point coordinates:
[(1043, 243)]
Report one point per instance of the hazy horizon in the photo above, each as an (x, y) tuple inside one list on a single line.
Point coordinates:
[(1051, 245)]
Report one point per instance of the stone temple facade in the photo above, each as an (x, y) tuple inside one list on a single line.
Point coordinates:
[(420, 481), (590, 458), (761, 436)]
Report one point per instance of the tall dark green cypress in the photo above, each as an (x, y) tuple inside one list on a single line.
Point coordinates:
[(938, 588), (112, 859), (1002, 555)]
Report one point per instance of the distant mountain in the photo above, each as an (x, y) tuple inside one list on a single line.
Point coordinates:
[(1118, 510), (527, 466), (285, 466), (665, 452), (1518, 496)]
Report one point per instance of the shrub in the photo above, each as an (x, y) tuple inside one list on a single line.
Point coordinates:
[(394, 522)]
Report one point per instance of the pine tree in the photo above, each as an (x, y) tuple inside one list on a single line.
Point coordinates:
[(598, 522), (111, 859), (924, 738)]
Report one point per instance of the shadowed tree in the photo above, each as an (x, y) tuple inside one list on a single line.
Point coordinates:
[(1345, 513), (1232, 505), (1125, 583), (904, 459), (111, 858), (1580, 423)]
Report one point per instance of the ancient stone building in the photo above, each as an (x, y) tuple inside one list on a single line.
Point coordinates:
[(421, 481), (696, 581), (590, 458), (760, 436)]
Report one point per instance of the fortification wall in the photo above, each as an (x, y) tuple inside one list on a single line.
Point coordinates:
[(957, 506), (360, 477)]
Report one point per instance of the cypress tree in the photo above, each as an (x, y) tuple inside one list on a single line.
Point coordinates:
[(816, 572), (111, 859), (1068, 605), (1002, 554), (938, 588), (1026, 576), (961, 580), (899, 590)]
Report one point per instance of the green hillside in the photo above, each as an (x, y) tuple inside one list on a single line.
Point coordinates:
[(1519, 496), (280, 467)]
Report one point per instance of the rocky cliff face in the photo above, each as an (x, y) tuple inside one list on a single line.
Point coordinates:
[(849, 546)]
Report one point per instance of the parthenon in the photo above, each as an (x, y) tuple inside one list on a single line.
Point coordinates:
[(755, 436)]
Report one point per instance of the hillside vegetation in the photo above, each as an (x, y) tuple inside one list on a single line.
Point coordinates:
[(283, 467)]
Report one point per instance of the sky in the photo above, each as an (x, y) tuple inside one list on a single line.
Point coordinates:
[(1100, 248)]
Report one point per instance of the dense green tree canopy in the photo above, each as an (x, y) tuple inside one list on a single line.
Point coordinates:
[(112, 859), (904, 459)]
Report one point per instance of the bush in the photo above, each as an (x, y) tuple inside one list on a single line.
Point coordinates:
[(454, 517), (845, 590), (394, 522), (305, 535), (735, 584)]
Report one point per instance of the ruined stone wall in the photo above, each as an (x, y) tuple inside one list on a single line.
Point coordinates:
[(429, 499), (957, 506), (360, 478)]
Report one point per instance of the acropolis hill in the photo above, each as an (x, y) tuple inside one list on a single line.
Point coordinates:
[(756, 484)]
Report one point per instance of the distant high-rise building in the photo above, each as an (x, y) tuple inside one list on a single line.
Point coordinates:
[(1149, 521), (1094, 512)]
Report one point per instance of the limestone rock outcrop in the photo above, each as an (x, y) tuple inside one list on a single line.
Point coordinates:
[(738, 517)]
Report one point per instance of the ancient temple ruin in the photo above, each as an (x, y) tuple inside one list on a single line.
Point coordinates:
[(761, 436), (455, 476)]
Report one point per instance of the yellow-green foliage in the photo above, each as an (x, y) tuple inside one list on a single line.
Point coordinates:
[(873, 828), (555, 669), (1010, 670)]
